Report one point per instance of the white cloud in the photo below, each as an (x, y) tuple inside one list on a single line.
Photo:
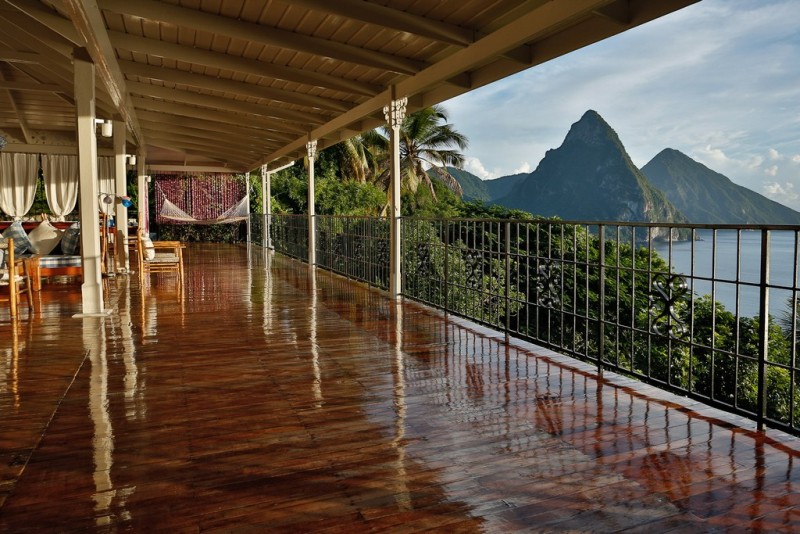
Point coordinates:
[(474, 165), (524, 168), (780, 192), (725, 93), (714, 155)]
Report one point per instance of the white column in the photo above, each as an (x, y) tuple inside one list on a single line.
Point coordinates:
[(122, 262), (92, 288), (266, 204), (141, 183), (395, 113), (311, 146)]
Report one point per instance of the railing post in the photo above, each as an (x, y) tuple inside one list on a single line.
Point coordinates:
[(508, 277), (601, 339), (446, 266), (763, 330)]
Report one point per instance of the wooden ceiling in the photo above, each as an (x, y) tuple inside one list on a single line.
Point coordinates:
[(236, 83)]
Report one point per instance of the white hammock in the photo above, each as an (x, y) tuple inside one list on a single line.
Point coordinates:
[(238, 212)]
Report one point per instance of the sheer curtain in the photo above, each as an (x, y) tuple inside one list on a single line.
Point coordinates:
[(17, 183), (106, 182), (60, 183)]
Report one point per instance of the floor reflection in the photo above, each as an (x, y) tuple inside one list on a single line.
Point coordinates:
[(9, 369), (402, 495), (341, 410)]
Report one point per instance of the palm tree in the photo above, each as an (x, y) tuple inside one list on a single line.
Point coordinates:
[(427, 139), (361, 156)]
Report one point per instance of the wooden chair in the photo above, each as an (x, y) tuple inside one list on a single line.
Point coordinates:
[(15, 275), (162, 257)]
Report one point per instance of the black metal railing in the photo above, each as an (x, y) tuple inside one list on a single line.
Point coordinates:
[(289, 235), (676, 306), (356, 247)]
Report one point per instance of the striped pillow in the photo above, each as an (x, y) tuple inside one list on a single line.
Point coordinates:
[(17, 233), (71, 240)]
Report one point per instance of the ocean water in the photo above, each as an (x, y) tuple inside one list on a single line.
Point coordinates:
[(737, 255)]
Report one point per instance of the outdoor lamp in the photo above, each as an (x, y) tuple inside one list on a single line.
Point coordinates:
[(131, 159), (108, 198), (106, 127)]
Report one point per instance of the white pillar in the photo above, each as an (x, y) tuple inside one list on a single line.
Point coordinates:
[(311, 146), (395, 113), (141, 183), (92, 288), (122, 262), (266, 205)]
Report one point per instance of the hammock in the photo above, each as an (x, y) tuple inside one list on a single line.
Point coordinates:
[(239, 212), (170, 211)]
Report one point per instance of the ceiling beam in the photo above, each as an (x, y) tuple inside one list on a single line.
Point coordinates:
[(184, 110), (131, 68), (619, 12), (235, 142), (187, 141), (394, 19), (242, 130), (8, 55), (219, 60), (216, 102), (50, 19), (89, 21), (184, 152), (23, 124), (31, 86), (218, 25)]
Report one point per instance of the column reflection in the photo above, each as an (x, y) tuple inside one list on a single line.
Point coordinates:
[(105, 495), (9, 370), (316, 385), (134, 403), (401, 493)]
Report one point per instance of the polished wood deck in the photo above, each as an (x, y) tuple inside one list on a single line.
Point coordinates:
[(260, 398)]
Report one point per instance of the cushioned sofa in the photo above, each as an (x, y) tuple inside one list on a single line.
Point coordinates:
[(54, 244)]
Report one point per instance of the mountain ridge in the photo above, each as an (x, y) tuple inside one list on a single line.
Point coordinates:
[(699, 194), (707, 197), (591, 177)]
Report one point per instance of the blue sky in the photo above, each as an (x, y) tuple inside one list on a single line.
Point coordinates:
[(718, 80)]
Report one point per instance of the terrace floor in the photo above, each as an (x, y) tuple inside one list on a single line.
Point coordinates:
[(262, 398)]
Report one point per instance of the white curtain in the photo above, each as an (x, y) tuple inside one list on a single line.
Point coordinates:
[(60, 183), (17, 182), (106, 182)]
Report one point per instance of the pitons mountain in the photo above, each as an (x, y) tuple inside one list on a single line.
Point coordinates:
[(707, 197), (590, 177)]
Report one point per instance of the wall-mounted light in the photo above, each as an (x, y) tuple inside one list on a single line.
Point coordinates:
[(131, 159), (106, 127), (108, 198)]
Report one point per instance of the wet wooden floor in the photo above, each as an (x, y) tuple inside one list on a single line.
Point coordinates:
[(260, 398)]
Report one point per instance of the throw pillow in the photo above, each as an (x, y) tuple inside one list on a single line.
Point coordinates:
[(44, 238), (17, 233), (149, 249), (71, 240)]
